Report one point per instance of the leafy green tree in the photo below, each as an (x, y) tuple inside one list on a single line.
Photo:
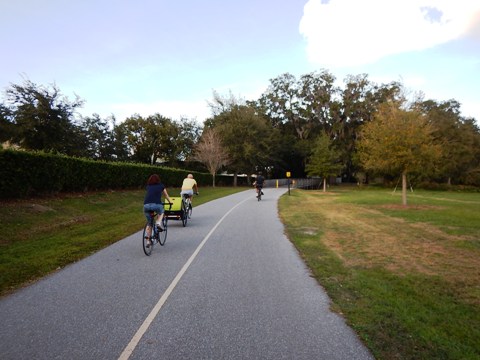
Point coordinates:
[(472, 173), (7, 125), (144, 138), (44, 119), (121, 151), (358, 103), (299, 109), (158, 139), (247, 136), (398, 142), (457, 136), (325, 160), (188, 133), (302, 106), (100, 137), (311, 104)]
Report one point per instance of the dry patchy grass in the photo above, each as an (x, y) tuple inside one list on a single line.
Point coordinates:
[(365, 237)]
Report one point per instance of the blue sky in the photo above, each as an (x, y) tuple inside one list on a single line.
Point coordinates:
[(153, 56)]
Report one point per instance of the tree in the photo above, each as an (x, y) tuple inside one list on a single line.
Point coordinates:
[(44, 119), (246, 136), (301, 106), (357, 105), (457, 136), (398, 141), (223, 103), (188, 135), (324, 160), (158, 139), (307, 106), (100, 137), (299, 110), (211, 152), (7, 125), (148, 139)]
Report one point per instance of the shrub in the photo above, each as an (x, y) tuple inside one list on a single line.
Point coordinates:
[(24, 174)]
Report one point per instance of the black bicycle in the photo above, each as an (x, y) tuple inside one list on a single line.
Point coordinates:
[(259, 193), (157, 235), (187, 209)]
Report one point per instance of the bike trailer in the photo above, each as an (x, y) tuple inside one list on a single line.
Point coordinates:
[(174, 211)]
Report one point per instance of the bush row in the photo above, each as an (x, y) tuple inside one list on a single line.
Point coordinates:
[(24, 174), (447, 187)]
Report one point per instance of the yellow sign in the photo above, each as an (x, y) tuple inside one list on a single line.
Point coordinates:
[(288, 174)]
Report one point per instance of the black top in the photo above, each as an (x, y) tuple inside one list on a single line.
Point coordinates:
[(154, 194), (259, 180)]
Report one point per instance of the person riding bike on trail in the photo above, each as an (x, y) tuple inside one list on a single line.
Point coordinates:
[(153, 201), (259, 183), (189, 186)]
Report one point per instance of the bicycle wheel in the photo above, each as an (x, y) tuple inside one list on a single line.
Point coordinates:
[(162, 236), (184, 212), (259, 196), (147, 246)]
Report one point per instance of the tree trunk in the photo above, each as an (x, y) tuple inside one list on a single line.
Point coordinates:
[(213, 179), (324, 184), (235, 179), (404, 188)]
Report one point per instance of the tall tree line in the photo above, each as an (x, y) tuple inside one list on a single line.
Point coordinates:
[(34, 117), (278, 132)]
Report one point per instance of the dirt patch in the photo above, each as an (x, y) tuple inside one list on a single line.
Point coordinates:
[(310, 231), (409, 207), (37, 208), (366, 237), (326, 193), (82, 219)]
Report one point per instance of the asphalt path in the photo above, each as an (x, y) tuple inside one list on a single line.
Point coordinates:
[(230, 285)]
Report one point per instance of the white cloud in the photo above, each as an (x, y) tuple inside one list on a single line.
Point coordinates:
[(352, 32)]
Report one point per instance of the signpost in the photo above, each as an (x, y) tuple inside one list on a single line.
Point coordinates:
[(288, 181)]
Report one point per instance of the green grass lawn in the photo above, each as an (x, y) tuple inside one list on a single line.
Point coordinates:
[(38, 236), (407, 279)]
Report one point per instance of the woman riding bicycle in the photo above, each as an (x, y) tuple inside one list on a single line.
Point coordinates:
[(153, 200)]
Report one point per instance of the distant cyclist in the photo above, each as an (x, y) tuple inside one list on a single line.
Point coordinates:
[(259, 183), (189, 186)]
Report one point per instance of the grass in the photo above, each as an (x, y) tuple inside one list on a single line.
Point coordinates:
[(39, 236), (406, 279)]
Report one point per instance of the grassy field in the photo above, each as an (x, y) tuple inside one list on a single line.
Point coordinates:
[(406, 279), (39, 236)]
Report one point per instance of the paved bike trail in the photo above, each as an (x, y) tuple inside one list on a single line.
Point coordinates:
[(228, 286)]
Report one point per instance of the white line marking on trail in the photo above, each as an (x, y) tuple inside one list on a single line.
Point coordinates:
[(149, 319)]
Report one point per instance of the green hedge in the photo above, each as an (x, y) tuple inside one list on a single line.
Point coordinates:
[(24, 174)]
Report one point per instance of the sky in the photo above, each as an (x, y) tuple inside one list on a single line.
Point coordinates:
[(126, 57)]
